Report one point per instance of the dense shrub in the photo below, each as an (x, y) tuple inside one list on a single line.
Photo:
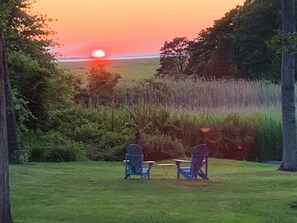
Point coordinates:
[(111, 146), (160, 147), (103, 134), (103, 130), (89, 123), (50, 146), (233, 137), (244, 136), (107, 153)]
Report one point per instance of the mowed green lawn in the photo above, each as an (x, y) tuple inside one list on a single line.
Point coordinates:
[(129, 69), (91, 192)]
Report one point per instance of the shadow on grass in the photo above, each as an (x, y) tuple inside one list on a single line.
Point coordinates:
[(294, 205)]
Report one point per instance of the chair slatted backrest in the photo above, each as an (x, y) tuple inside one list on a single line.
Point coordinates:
[(199, 156), (134, 159)]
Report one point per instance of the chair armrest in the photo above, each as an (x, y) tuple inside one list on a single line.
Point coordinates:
[(150, 163), (181, 161), (178, 161)]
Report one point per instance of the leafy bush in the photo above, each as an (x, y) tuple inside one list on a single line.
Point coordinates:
[(50, 146), (101, 84), (106, 153), (233, 137), (110, 147), (160, 147), (77, 121), (102, 130)]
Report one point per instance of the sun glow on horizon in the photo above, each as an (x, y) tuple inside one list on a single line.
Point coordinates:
[(98, 54), (127, 27)]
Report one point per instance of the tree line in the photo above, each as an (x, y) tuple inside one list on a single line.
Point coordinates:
[(236, 46)]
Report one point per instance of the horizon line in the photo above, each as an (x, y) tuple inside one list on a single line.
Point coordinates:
[(114, 57)]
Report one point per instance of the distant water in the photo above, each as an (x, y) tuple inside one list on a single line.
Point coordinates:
[(113, 57)]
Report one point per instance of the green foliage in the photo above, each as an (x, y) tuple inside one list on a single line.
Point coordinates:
[(277, 41), (253, 58), (101, 84), (69, 119), (59, 92), (50, 146), (268, 140), (160, 146), (23, 114), (235, 46), (32, 70), (233, 110), (233, 136), (103, 134), (47, 90), (103, 130), (27, 32), (212, 53), (24, 72)]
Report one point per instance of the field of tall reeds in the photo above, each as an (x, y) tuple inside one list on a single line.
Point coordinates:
[(165, 117), (202, 94)]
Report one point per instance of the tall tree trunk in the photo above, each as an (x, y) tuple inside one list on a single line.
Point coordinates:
[(5, 214), (289, 160), (13, 143)]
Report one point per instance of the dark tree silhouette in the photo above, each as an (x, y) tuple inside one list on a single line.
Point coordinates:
[(174, 57), (289, 160), (5, 215)]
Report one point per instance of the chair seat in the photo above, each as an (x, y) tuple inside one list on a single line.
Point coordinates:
[(185, 169), (144, 171)]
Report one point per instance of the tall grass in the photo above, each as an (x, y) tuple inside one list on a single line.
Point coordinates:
[(202, 93)]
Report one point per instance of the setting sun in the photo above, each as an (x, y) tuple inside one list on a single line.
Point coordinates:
[(98, 53)]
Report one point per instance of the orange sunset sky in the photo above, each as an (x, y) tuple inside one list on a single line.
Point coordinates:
[(128, 26)]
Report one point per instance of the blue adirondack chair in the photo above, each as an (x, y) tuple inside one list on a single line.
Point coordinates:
[(199, 158), (135, 164)]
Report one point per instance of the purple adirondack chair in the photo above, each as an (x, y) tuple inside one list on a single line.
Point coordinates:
[(135, 164), (199, 159)]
